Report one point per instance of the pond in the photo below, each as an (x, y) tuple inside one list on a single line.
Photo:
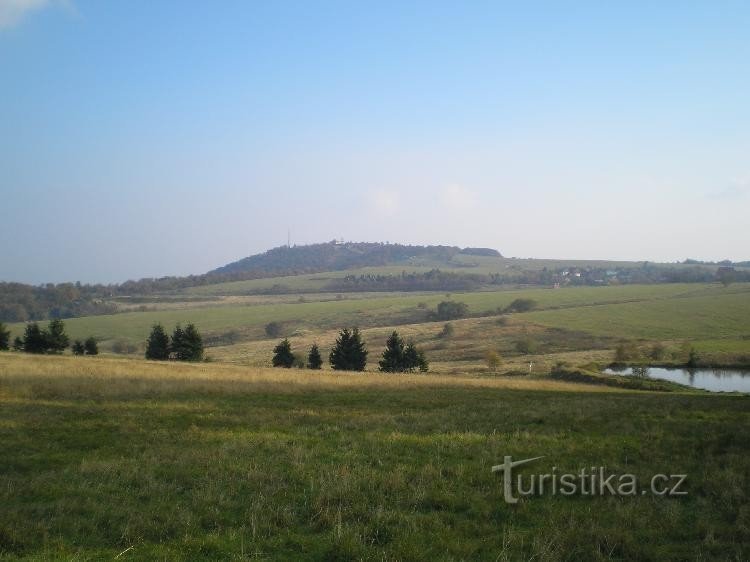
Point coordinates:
[(715, 380)]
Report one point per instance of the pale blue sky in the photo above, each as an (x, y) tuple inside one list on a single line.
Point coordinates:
[(147, 138)]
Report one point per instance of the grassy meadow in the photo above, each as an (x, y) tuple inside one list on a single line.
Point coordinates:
[(574, 324), (115, 457), (131, 460)]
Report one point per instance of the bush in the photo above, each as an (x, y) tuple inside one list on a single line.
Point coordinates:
[(493, 359), (447, 330), (521, 305), (273, 329), (657, 351), (299, 361), (451, 310), (626, 351), (78, 348), (91, 346)]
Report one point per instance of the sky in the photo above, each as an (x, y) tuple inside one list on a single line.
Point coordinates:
[(143, 139)]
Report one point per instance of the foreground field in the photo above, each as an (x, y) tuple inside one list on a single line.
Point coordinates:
[(118, 458)]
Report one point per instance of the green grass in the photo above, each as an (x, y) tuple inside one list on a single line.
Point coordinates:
[(103, 458), (702, 317)]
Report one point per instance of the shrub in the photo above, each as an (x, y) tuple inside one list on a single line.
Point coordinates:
[(657, 351), (451, 310), (299, 361), (447, 330), (626, 351), (273, 329), (90, 346), (521, 305), (78, 348), (493, 359)]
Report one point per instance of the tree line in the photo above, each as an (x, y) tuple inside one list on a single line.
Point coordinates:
[(184, 344), (349, 353), (52, 339)]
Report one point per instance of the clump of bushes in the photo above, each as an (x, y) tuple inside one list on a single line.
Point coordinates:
[(451, 310), (521, 305)]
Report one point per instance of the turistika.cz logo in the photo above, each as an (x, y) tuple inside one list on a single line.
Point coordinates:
[(589, 481)]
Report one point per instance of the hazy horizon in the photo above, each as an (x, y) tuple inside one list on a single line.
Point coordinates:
[(142, 140)]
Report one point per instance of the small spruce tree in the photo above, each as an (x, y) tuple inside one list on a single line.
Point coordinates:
[(349, 353), (157, 345), (178, 344), (314, 360), (57, 339), (35, 339), (282, 354), (192, 344), (393, 356)]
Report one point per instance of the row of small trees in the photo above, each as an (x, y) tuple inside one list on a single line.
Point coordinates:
[(184, 345), (349, 353), (52, 339)]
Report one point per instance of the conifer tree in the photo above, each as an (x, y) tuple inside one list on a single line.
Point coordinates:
[(314, 360), (414, 359), (34, 339), (393, 356), (57, 339), (349, 353), (157, 347), (282, 354), (178, 344), (191, 346)]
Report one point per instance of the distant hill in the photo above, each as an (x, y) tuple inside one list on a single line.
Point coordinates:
[(332, 256)]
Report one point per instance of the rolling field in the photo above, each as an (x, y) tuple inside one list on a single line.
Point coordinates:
[(134, 460), (585, 321)]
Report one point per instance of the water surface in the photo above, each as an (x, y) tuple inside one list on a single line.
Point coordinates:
[(715, 380)]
